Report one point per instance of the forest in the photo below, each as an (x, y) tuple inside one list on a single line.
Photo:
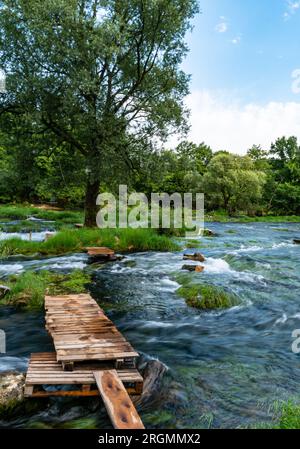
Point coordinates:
[(261, 183)]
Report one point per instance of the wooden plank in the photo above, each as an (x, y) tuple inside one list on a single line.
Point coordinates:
[(99, 250), (81, 331), (117, 402), (72, 393), (45, 367), (96, 356)]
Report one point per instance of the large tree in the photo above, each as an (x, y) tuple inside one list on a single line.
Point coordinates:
[(99, 74), (233, 183)]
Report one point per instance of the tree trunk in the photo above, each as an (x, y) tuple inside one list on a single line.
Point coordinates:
[(90, 207)]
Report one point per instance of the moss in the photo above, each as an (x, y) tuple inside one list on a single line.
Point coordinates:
[(76, 282), (28, 289), (207, 297), (81, 423)]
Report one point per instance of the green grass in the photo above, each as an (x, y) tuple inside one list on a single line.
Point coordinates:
[(222, 217), (290, 416), (285, 415), (21, 212), (71, 240), (28, 289), (207, 297)]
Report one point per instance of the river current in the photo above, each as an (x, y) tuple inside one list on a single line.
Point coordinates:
[(226, 369)]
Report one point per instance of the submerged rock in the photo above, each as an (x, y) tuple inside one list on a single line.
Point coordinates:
[(207, 297), (198, 257), (196, 268), (11, 391), (209, 233)]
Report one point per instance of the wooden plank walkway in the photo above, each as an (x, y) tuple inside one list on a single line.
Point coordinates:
[(81, 331), (90, 353), (118, 404), (43, 370)]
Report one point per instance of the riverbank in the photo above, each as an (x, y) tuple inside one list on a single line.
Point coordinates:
[(24, 212), (220, 217)]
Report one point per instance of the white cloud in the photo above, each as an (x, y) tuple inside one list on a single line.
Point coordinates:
[(223, 123), (292, 7), (236, 40), (221, 27)]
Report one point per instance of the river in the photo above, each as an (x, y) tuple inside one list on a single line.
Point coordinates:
[(226, 369)]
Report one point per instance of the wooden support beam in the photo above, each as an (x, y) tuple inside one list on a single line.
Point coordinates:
[(118, 404)]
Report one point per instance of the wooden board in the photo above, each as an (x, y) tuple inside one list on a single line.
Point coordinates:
[(81, 330), (43, 369), (100, 251), (118, 404)]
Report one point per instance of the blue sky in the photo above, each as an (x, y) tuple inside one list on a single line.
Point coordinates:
[(242, 56)]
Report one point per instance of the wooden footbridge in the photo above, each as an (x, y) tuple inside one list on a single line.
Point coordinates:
[(92, 358)]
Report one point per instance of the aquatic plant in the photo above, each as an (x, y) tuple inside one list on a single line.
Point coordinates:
[(289, 416), (207, 297)]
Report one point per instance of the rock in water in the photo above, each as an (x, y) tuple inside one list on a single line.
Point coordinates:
[(198, 257), (199, 269), (11, 390), (209, 233), (297, 241), (3, 291), (153, 374), (196, 268)]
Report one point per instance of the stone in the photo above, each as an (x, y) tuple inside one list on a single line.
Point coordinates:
[(197, 257), (11, 389), (196, 268), (209, 233), (297, 241)]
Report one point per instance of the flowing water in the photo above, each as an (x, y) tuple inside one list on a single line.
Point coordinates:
[(225, 368)]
